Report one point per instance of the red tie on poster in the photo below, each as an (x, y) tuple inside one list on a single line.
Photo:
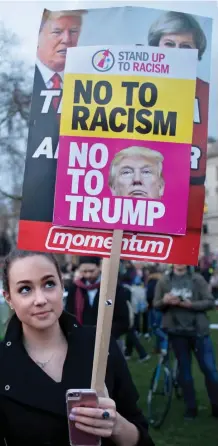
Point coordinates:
[(57, 85)]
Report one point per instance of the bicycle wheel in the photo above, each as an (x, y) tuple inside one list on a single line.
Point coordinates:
[(159, 395)]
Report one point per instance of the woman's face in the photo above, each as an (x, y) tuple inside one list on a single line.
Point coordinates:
[(177, 41), (35, 291)]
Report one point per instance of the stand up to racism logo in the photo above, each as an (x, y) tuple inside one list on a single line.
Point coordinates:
[(103, 60)]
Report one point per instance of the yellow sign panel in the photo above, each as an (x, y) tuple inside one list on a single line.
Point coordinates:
[(127, 107)]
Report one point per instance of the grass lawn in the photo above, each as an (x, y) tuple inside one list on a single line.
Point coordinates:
[(175, 431)]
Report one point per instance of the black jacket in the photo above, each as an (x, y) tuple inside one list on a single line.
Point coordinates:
[(40, 173), (32, 405), (120, 323), (151, 285)]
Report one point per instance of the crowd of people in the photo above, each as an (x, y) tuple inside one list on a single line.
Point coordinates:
[(170, 303), (54, 312)]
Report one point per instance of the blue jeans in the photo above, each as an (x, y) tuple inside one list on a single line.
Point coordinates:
[(203, 350)]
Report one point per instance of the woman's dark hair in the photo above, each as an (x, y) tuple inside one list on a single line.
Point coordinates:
[(16, 254), (86, 259)]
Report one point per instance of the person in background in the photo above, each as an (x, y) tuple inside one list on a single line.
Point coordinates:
[(213, 284), (153, 276), (141, 318), (184, 299), (5, 244), (135, 276), (145, 314), (83, 298), (155, 316), (132, 340), (127, 277), (205, 268), (5, 247), (67, 272), (45, 353), (5, 313)]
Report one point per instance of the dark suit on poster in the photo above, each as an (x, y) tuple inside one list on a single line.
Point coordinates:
[(40, 173)]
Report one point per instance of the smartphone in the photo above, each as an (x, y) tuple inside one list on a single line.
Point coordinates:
[(81, 398)]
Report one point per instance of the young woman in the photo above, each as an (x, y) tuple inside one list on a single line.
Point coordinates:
[(46, 352)]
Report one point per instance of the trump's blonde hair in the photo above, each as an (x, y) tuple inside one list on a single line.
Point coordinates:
[(135, 151), (49, 15)]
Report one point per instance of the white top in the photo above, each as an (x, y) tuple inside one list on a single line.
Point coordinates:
[(47, 73), (92, 293)]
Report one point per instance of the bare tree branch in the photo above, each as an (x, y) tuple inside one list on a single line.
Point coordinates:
[(16, 80), (11, 196)]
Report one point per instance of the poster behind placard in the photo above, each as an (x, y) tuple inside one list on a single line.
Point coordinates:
[(103, 26)]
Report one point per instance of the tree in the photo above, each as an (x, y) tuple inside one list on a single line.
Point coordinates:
[(16, 80), (211, 140)]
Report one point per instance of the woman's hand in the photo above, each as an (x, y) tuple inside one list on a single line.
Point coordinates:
[(91, 420)]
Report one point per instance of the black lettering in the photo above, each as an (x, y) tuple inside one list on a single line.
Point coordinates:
[(143, 90), (121, 55), (140, 116), (129, 91), (132, 56), (79, 118), (112, 119), (131, 120), (162, 126), (99, 87), (85, 92), (99, 120), (139, 56)]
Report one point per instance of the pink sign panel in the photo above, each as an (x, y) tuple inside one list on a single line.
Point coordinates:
[(121, 184)]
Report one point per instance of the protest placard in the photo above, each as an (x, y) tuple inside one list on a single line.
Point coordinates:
[(96, 27), (124, 153), (125, 139)]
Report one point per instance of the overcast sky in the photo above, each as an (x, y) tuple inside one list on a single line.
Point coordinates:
[(24, 19)]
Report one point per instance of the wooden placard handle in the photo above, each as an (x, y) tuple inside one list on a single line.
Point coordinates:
[(109, 276)]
